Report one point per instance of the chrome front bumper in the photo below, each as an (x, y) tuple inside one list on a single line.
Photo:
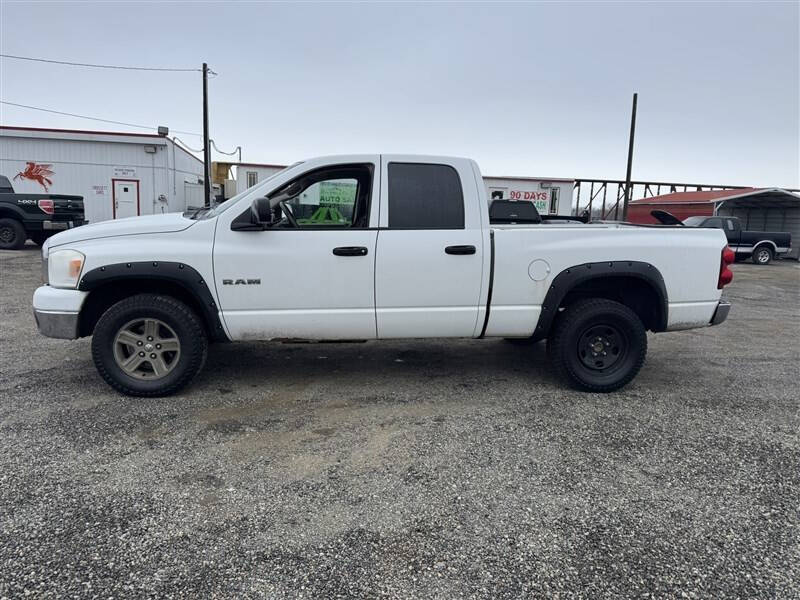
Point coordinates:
[(723, 308), (57, 311), (59, 325)]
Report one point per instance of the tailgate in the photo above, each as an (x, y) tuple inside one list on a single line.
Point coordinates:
[(67, 207)]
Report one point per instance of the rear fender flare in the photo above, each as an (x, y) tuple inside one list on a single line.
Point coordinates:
[(569, 278), (12, 211), (773, 246)]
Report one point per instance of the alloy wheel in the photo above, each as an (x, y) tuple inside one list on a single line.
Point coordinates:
[(146, 348)]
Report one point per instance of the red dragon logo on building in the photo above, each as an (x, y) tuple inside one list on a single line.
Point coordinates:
[(39, 173)]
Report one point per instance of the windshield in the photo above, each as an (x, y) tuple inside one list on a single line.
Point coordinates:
[(694, 221), (207, 213)]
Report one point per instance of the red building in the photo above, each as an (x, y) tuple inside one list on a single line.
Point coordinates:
[(682, 204)]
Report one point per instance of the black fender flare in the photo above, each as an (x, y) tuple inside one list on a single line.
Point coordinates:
[(12, 211), (570, 277), (177, 273)]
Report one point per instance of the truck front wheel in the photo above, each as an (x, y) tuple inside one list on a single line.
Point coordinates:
[(12, 234), (149, 345), (597, 345)]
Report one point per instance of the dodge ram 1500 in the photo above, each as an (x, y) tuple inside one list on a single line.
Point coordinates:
[(374, 247)]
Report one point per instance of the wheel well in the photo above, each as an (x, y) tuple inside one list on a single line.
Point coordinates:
[(769, 244), (9, 214), (103, 297), (634, 292)]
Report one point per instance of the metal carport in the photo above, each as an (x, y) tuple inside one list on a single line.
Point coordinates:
[(769, 209)]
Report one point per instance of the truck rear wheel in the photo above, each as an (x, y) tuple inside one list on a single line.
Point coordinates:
[(597, 345), (12, 234), (149, 345), (762, 255)]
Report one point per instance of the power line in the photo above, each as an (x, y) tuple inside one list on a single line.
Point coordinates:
[(58, 112), (237, 150), (185, 145), (94, 66)]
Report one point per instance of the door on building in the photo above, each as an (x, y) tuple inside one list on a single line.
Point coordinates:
[(125, 198)]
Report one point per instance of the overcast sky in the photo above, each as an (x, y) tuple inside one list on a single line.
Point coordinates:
[(537, 89)]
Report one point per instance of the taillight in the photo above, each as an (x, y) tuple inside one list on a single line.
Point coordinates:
[(725, 274), (46, 206)]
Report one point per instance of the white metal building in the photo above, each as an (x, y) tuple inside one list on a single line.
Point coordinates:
[(550, 195), (118, 174)]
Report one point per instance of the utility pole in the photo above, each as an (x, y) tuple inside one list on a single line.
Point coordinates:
[(630, 160), (206, 144)]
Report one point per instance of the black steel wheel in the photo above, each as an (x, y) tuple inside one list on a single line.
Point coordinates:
[(12, 234), (762, 255), (149, 345), (598, 345)]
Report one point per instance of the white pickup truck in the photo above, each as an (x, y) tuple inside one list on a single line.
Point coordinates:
[(375, 247)]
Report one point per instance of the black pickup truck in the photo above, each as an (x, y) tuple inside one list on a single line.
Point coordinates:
[(35, 216), (761, 246)]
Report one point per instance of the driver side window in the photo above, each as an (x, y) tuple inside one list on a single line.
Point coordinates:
[(331, 198)]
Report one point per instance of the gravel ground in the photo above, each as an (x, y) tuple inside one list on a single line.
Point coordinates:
[(407, 469)]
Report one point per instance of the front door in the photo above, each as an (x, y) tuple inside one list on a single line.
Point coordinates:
[(432, 250), (125, 198), (312, 274)]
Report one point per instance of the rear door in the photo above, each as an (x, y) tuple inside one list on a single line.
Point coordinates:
[(429, 261)]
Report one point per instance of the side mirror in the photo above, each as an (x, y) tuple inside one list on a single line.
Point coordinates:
[(260, 211), (259, 217)]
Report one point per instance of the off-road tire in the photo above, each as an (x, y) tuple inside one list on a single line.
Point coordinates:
[(12, 234), (762, 255), (178, 316), (567, 342)]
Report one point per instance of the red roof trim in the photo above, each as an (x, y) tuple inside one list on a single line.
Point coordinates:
[(523, 178), (249, 164), (84, 131), (706, 197), (93, 132)]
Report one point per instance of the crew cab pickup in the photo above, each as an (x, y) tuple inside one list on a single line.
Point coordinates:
[(35, 216), (760, 246), (412, 250)]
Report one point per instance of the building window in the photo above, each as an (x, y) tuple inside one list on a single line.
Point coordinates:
[(252, 178), (554, 200)]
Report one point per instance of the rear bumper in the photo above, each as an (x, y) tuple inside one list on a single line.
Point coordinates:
[(723, 308), (61, 225), (57, 311)]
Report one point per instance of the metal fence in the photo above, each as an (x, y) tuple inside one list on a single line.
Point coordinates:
[(605, 198)]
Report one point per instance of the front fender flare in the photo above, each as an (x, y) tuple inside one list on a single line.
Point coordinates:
[(178, 273)]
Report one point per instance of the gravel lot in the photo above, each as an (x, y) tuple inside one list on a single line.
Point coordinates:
[(407, 469)]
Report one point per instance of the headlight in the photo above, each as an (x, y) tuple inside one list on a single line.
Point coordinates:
[(64, 268)]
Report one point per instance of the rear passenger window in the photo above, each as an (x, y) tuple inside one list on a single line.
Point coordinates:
[(423, 196)]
